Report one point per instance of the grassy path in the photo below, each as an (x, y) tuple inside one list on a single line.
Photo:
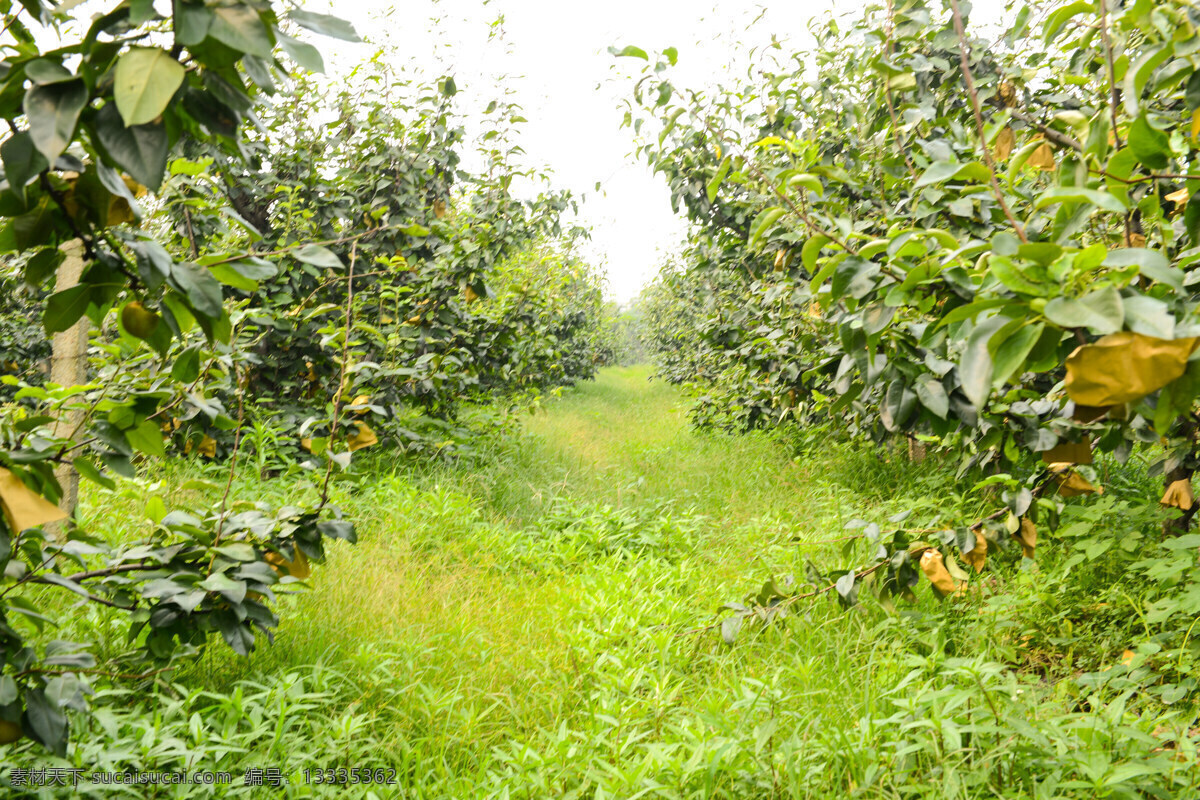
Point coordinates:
[(512, 628), (536, 624)]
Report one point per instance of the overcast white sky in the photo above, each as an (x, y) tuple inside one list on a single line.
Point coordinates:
[(555, 55)]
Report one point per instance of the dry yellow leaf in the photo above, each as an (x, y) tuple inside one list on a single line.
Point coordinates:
[(778, 259), (814, 310), (119, 212), (208, 447), (1004, 144), (1070, 482), (1026, 536), (978, 555), (364, 438), (1070, 452), (1043, 158), (1124, 367), (470, 295), (935, 569), (361, 400), (1008, 93), (1127, 657), (297, 569), (1179, 198), (1179, 495), (306, 443), (133, 186), (23, 507), (439, 208), (1196, 124)]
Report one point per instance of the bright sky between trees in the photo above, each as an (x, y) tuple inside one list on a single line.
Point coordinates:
[(554, 58)]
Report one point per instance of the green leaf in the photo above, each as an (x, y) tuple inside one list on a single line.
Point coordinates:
[(972, 310), (941, 171), (64, 309), (1011, 276), (761, 224), (140, 150), (8, 689), (257, 269), (53, 111), (1101, 311), (241, 28), (853, 278), (933, 395), (146, 437), (324, 25), (810, 182), (810, 251), (1074, 194), (303, 53), (87, 469), (186, 368), (629, 52), (975, 367), (192, 21), (1012, 352), (228, 275), (1059, 18), (1149, 317), (46, 721), (42, 265), (1119, 169), (1150, 263), (45, 71), (145, 80), (22, 162), (231, 590), (1150, 145), (199, 286), (1137, 76), (1044, 253), (318, 256), (714, 185)]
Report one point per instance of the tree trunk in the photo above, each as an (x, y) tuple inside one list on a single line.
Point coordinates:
[(68, 367)]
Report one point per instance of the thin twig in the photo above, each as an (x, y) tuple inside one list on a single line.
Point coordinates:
[(285, 250), (1049, 133), (187, 218), (94, 671), (104, 573), (89, 596), (1113, 97), (337, 396), (979, 127), (891, 22), (233, 458)]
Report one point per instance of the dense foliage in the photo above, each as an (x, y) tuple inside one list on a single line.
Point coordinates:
[(914, 231), (246, 272)]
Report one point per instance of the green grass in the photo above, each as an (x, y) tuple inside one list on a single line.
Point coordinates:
[(524, 626)]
